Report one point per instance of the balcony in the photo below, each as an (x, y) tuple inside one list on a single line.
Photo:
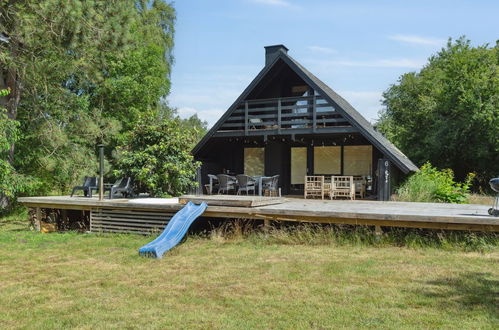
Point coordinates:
[(284, 116)]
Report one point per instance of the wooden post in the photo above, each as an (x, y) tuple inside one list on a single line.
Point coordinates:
[(266, 224), (279, 115), (101, 171), (38, 215), (246, 118), (378, 232), (314, 114), (64, 220)]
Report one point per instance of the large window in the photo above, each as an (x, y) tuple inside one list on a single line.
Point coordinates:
[(298, 165), (357, 160), (254, 161), (327, 160)]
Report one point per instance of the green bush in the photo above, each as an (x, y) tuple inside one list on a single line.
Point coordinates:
[(156, 153), (433, 185)]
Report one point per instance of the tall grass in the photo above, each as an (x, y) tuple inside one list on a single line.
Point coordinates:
[(432, 185), (346, 235)]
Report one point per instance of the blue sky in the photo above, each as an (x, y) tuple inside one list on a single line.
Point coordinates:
[(358, 47)]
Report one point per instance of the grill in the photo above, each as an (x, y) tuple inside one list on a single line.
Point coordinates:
[(494, 184)]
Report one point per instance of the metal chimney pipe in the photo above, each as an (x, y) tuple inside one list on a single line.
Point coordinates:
[(101, 171)]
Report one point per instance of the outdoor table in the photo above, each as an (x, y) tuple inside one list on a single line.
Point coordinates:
[(259, 179)]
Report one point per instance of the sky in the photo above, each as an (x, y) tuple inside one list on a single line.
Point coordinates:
[(358, 48)]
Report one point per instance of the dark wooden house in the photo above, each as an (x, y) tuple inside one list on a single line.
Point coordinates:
[(288, 122)]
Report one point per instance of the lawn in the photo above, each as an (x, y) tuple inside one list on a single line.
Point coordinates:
[(62, 280)]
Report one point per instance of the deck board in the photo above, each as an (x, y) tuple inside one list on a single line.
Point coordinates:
[(232, 200), (396, 214)]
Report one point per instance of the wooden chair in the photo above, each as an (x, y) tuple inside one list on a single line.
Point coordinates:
[(342, 186), (314, 186), (327, 186), (360, 185)]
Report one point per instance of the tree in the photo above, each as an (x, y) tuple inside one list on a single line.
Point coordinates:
[(11, 182), (448, 113), (157, 154), (80, 72)]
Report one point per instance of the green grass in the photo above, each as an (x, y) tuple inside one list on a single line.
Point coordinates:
[(303, 277)]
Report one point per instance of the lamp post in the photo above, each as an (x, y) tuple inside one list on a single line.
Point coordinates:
[(101, 171)]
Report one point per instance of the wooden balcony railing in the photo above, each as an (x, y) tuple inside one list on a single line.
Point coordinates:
[(304, 114)]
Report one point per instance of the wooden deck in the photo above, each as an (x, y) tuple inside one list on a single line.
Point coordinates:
[(392, 214)]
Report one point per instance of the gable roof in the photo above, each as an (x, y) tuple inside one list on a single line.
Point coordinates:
[(340, 104)]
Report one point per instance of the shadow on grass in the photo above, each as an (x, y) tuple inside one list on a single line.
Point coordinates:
[(467, 291)]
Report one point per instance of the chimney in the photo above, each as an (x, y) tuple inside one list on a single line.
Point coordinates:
[(271, 52)]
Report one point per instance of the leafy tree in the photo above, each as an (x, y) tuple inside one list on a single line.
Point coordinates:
[(156, 152), (80, 72), (448, 113), (11, 182)]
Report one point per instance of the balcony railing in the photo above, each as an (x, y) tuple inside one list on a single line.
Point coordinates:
[(306, 113)]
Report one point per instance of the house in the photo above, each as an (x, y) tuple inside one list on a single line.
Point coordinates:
[(288, 122)]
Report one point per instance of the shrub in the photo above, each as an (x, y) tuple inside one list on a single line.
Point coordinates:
[(433, 185), (156, 153)]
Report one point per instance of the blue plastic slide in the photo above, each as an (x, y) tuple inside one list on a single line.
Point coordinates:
[(174, 232)]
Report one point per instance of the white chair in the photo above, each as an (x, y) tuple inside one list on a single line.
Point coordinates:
[(342, 186), (314, 186)]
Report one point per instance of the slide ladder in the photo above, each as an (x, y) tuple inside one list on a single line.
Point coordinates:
[(174, 232)]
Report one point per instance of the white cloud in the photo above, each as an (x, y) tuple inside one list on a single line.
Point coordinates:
[(324, 50), (417, 40)]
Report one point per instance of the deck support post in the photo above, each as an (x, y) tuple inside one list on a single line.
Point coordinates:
[(64, 219), (378, 232), (266, 224), (38, 218)]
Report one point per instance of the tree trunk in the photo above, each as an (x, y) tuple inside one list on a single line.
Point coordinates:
[(14, 84)]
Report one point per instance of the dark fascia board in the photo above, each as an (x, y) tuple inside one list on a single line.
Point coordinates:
[(342, 106)]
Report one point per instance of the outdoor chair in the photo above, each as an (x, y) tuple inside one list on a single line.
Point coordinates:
[(213, 185), (270, 186), (226, 183), (245, 183), (89, 184), (123, 186), (360, 185), (254, 122), (314, 186), (327, 186), (342, 186)]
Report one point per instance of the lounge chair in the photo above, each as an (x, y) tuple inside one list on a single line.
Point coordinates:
[(123, 186), (89, 184)]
